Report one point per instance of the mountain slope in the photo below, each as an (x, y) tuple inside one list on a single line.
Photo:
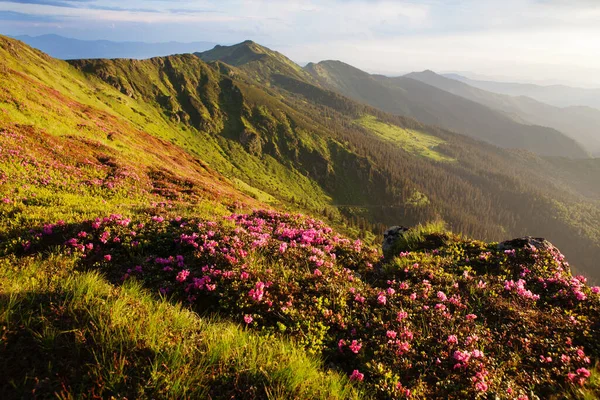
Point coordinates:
[(264, 63), (404, 96), (579, 123), (53, 120), (266, 120), (312, 149), (556, 95), (70, 49)]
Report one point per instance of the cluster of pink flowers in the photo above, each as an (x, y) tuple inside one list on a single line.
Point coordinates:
[(519, 288), (357, 376), (285, 273), (258, 292), (355, 346), (580, 376)]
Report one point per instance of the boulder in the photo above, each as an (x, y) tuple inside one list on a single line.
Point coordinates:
[(526, 242), (391, 236)]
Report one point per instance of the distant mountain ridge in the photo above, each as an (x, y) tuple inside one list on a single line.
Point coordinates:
[(69, 49), (556, 95), (579, 123), (430, 105)]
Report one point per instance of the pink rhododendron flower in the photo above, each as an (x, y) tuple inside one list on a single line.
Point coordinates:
[(357, 376), (317, 272), (462, 356), (391, 334), (258, 292), (182, 275), (355, 346), (481, 386), (452, 339), (477, 354), (403, 347), (579, 295), (583, 372), (595, 289), (248, 319), (471, 317), (359, 298), (401, 316), (381, 299), (107, 257)]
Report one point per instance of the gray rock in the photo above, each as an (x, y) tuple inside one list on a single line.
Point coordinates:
[(391, 236), (526, 241)]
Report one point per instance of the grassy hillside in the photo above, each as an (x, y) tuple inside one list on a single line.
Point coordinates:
[(268, 64), (441, 317), (413, 141), (301, 144), (483, 178), (579, 123), (71, 334), (408, 97)]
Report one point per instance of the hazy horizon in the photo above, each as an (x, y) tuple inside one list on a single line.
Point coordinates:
[(540, 41)]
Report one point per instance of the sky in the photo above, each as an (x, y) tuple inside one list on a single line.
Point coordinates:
[(544, 41)]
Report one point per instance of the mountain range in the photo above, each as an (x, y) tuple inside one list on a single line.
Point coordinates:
[(556, 95), (428, 104), (68, 49), (578, 122)]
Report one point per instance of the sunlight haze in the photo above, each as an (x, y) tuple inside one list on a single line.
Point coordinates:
[(546, 41)]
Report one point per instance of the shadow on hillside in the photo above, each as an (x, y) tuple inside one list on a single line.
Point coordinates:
[(49, 350)]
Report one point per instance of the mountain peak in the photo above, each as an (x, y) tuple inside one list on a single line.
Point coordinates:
[(237, 54), (256, 60), (425, 73), (335, 66)]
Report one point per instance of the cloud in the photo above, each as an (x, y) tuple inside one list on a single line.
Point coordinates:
[(17, 16), (85, 4), (54, 3), (384, 35)]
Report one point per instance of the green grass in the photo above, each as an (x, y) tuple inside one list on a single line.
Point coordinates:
[(63, 101), (257, 193), (418, 236), (74, 335), (411, 140)]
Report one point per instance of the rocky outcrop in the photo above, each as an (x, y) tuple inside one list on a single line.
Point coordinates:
[(251, 141), (526, 242), (391, 236)]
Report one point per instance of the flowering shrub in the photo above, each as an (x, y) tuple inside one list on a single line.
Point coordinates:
[(464, 320)]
